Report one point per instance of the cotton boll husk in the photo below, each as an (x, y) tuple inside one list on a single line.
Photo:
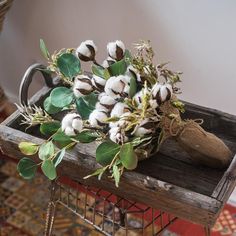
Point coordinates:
[(116, 50), (138, 99), (114, 87), (117, 136), (71, 124), (132, 72), (107, 101), (86, 51), (162, 93), (145, 127), (100, 107), (97, 118), (98, 82), (68, 119), (82, 86)]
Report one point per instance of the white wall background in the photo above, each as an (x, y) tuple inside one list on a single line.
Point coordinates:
[(198, 37)]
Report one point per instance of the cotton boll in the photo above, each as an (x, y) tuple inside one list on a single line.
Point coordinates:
[(107, 101), (117, 135), (132, 72), (145, 127), (114, 87), (97, 118), (69, 131), (116, 50), (86, 51), (108, 62), (162, 93), (82, 86), (119, 109), (98, 82), (72, 124)]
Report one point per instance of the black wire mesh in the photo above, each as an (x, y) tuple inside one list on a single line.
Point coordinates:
[(108, 213)]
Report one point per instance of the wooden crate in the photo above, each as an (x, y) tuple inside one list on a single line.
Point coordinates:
[(168, 181)]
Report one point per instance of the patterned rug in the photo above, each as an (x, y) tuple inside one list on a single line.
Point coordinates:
[(23, 205)]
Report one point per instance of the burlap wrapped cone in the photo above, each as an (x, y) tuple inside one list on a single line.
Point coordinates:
[(203, 147)]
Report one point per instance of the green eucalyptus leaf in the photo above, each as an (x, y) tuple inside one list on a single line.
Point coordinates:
[(49, 169), (106, 151), (128, 157), (46, 150), (49, 108), (44, 49), (28, 148), (58, 158), (69, 65), (101, 72), (118, 68), (133, 87), (27, 168), (61, 97), (116, 174), (83, 108), (99, 171), (91, 99), (86, 136), (50, 128), (61, 139)]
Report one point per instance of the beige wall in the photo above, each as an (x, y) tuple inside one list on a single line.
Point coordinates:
[(198, 37)]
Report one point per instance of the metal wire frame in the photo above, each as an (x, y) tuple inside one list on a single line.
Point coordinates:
[(106, 212)]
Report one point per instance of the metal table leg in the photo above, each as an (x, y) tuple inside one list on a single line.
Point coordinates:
[(51, 210)]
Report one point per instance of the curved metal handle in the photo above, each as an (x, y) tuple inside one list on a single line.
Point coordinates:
[(27, 79)]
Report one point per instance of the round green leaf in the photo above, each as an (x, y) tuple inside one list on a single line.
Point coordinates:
[(61, 139), (46, 150), (28, 148), (86, 136), (106, 151), (50, 128), (83, 108), (101, 72), (61, 97), (128, 157), (69, 65), (118, 68), (49, 108), (27, 168), (49, 169)]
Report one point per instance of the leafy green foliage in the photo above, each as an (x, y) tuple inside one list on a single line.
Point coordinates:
[(58, 158), (50, 128), (86, 136), (133, 87), (106, 151), (118, 68), (49, 108), (27, 168), (49, 169), (98, 172), (85, 105), (44, 49), (69, 65), (61, 139), (128, 157), (28, 148), (46, 150), (61, 97), (101, 72)]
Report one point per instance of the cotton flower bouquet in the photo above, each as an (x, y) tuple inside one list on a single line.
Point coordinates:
[(127, 106)]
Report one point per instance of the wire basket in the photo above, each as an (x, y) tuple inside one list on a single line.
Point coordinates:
[(106, 212), (4, 7)]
